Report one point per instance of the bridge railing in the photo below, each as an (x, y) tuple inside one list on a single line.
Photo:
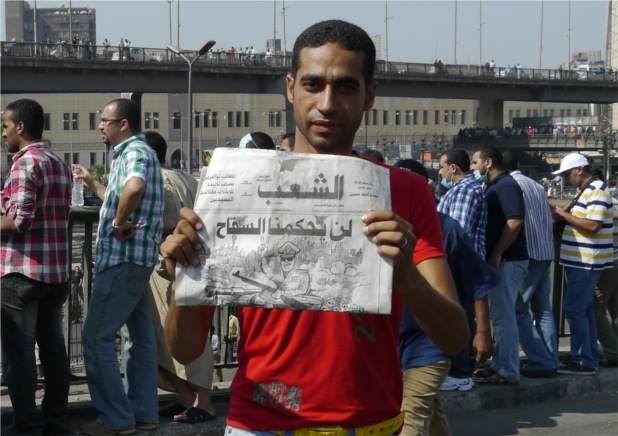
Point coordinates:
[(82, 229), (110, 53), (534, 141), (498, 73)]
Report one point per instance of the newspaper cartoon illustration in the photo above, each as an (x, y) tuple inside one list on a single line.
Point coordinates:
[(284, 230)]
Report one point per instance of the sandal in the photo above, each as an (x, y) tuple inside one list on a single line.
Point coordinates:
[(194, 415), (490, 376), (172, 409)]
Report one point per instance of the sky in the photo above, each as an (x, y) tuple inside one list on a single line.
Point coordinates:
[(418, 31)]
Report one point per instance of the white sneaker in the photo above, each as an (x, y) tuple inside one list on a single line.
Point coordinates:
[(457, 384)]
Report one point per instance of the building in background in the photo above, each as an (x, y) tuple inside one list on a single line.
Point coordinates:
[(52, 23)]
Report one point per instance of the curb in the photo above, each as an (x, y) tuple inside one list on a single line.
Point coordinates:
[(481, 398), (529, 391)]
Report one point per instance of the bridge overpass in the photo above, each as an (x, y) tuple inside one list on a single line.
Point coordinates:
[(36, 68), (54, 68)]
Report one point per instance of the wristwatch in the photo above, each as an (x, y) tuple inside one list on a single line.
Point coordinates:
[(114, 225)]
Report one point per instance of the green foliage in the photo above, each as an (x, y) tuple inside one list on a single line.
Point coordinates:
[(97, 170)]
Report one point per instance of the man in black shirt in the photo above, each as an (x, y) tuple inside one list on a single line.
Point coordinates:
[(507, 253)]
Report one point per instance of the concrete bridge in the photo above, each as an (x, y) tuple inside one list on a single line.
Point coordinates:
[(56, 68)]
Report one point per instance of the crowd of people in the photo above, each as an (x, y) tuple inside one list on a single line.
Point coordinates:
[(477, 133), (479, 258)]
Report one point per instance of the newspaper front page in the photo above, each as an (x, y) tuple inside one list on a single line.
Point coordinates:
[(284, 230)]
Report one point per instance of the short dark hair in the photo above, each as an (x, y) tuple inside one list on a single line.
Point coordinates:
[(157, 143), (458, 157), (291, 137), (30, 113), (493, 154), (261, 140), (347, 35), (127, 109), (510, 160), (414, 166)]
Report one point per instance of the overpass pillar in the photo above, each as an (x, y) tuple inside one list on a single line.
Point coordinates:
[(490, 113)]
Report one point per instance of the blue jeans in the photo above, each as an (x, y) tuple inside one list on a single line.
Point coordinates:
[(579, 310), (502, 301), (538, 339), (32, 311), (462, 365), (120, 296)]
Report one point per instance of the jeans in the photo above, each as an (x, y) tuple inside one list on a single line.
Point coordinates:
[(120, 296), (538, 339), (32, 311), (502, 301), (580, 284), (606, 308), (462, 365)]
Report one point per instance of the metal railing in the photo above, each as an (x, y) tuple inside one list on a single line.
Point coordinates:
[(82, 236), (110, 53), (534, 141)]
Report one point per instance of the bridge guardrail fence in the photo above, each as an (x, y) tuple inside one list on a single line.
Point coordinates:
[(111, 53), (84, 219)]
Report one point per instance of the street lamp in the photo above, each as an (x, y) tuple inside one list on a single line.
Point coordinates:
[(190, 63)]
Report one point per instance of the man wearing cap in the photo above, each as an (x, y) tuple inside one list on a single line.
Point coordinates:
[(585, 251)]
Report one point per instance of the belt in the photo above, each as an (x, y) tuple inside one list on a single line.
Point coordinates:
[(384, 428)]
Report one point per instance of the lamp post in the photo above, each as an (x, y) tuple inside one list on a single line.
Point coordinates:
[(190, 63)]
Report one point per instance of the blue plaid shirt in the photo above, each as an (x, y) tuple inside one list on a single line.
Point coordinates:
[(465, 203)]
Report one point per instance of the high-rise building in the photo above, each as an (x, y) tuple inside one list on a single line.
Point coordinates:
[(377, 42), (52, 24)]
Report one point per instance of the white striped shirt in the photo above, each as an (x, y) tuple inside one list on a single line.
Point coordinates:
[(583, 249), (537, 220)]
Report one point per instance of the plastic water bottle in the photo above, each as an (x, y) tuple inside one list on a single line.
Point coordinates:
[(77, 194)]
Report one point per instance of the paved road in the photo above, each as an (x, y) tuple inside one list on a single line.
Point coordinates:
[(587, 416)]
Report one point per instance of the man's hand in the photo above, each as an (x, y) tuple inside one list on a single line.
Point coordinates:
[(81, 174), (495, 260), (126, 230), (395, 240), (483, 346), (184, 244), (557, 213)]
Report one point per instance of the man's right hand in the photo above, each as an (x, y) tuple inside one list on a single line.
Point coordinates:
[(83, 175), (184, 244)]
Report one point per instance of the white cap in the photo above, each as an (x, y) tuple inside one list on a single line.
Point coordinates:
[(570, 161)]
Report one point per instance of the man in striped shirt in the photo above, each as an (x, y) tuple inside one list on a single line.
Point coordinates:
[(586, 250), (538, 340), (606, 305), (465, 199), (130, 230), (34, 269)]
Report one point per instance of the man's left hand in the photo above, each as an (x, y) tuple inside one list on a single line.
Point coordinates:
[(483, 346), (125, 230), (395, 240)]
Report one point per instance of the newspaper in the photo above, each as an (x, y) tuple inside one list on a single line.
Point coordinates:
[(284, 230)]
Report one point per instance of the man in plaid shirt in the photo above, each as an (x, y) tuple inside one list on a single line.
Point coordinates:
[(465, 198), (130, 231), (34, 269)]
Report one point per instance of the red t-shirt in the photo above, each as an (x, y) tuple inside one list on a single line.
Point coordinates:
[(302, 369)]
